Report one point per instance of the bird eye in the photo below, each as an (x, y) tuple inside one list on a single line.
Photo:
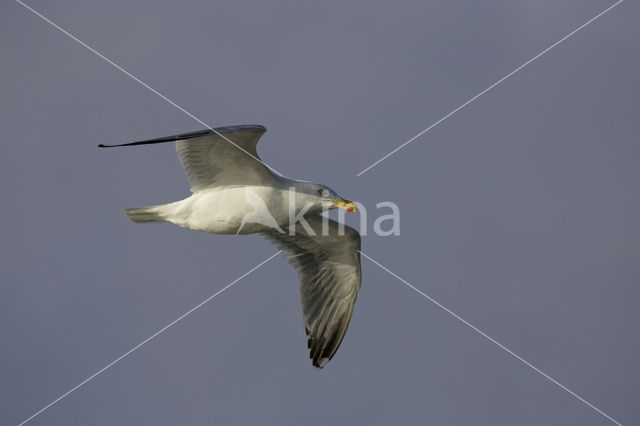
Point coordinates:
[(324, 192)]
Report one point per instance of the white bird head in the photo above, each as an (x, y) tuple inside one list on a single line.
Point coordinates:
[(320, 197)]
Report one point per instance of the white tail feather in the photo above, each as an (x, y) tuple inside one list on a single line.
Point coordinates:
[(145, 214)]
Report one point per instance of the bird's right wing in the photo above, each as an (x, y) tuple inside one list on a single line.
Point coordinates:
[(224, 156), (328, 267)]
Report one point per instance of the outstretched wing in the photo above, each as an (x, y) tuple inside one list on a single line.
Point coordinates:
[(329, 271), (224, 156)]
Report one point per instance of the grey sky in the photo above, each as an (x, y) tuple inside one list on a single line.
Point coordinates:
[(520, 213)]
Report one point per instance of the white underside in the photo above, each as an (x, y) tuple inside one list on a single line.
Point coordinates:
[(230, 210)]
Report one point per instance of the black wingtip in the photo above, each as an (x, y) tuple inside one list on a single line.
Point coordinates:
[(135, 143), (111, 146), (199, 133)]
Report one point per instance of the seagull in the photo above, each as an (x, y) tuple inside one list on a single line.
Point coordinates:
[(234, 192)]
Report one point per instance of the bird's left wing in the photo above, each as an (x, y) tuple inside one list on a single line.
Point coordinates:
[(328, 267), (224, 156)]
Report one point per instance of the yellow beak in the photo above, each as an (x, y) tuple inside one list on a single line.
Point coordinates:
[(345, 204)]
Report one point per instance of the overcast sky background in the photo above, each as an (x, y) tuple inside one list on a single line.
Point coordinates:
[(520, 213)]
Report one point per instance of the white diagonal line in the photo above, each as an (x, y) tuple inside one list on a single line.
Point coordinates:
[(190, 311), (491, 339), (127, 73), (491, 87)]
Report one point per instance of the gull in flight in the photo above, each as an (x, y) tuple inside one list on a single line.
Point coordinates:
[(234, 192)]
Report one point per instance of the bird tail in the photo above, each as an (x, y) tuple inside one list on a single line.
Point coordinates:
[(145, 214)]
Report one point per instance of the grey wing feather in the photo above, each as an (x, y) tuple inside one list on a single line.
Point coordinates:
[(210, 160), (224, 156), (329, 270)]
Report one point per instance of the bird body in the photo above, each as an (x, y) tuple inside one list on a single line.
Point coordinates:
[(217, 210), (233, 192)]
